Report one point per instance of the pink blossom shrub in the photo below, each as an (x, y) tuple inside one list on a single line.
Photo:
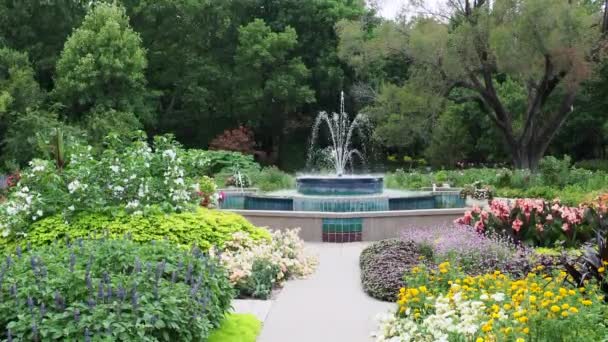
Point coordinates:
[(532, 221)]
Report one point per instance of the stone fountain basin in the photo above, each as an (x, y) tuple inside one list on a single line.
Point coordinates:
[(347, 185)]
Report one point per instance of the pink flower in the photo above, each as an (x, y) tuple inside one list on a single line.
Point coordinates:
[(517, 225), (479, 226), (565, 227), (549, 217)]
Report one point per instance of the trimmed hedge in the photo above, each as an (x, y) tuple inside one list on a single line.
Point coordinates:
[(111, 290), (204, 228), (383, 265)]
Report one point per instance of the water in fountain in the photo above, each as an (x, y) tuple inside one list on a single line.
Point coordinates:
[(341, 132)]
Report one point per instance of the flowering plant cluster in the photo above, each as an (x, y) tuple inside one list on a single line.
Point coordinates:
[(533, 221), (130, 174), (114, 290), (284, 249), (445, 304)]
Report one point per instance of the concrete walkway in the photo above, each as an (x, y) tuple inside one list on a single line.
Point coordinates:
[(330, 306)]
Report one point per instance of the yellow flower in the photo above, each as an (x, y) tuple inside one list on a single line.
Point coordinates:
[(601, 269), (548, 294), (479, 339), (486, 327), (507, 306), (532, 299), (526, 330), (565, 306), (555, 308), (519, 339), (422, 289), (523, 319), (587, 302), (564, 313), (563, 291), (573, 310), (571, 292)]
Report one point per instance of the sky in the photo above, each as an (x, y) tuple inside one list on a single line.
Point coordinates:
[(390, 8)]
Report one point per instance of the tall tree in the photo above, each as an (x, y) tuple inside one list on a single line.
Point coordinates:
[(272, 81), (102, 68), (40, 29), (543, 46)]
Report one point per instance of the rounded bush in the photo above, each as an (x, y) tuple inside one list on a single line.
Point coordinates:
[(203, 228), (383, 265), (115, 290)]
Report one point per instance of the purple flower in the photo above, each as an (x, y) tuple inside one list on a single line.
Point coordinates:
[(100, 291), (9, 335), (42, 310), (72, 262), (59, 301), (87, 335), (134, 299), (30, 304), (19, 252)]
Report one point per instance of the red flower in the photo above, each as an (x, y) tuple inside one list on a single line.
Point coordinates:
[(517, 225)]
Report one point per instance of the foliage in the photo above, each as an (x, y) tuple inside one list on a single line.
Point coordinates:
[(112, 289), (239, 140), (211, 163), (102, 68), (446, 304), (271, 179), (383, 264), (237, 328), (251, 264), (534, 222), (477, 191), (203, 228), (593, 164)]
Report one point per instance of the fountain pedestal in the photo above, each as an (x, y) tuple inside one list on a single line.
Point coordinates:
[(340, 186)]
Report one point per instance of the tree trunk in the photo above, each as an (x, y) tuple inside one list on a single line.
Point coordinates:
[(528, 156)]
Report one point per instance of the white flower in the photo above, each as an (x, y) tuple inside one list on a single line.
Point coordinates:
[(73, 186), (170, 154), (499, 296), (71, 208), (5, 233), (484, 297), (115, 168), (133, 204), (39, 213)]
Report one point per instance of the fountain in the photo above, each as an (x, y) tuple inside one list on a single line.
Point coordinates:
[(341, 154), (342, 202)]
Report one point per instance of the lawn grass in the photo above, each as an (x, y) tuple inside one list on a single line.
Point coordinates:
[(237, 328)]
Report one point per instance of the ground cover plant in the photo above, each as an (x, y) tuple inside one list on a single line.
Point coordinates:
[(383, 264), (237, 328), (117, 290)]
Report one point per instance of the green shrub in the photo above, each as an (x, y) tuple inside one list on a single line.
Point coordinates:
[(115, 290), (261, 282), (271, 179), (203, 228), (555, 171), (593, 164), (201, 162)]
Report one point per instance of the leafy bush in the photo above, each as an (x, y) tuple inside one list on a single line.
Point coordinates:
[(240, 139), (203, 228), (210, 163), (271, 179), (250, 263), (116, 290), (555, 171), (383, 265)]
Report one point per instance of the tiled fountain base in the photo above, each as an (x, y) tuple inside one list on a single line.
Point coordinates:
[(342, 229)]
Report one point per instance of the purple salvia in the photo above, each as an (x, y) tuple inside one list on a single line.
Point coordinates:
[(19, 252), (148, 267), (9, 335), (30, 304), (33, 263), (87, 335), (35, 331), (155, 291), (72, 262), (89, 282), (9, 261), (100, 291), (91, 303), (121, 293), (13, 290), (189, 273), (109, 293), (89, 264), (77, 315), (137, 268), (134, 299), (173, 277), (106, 278), (59, 302), (180, 265), (42, 310)]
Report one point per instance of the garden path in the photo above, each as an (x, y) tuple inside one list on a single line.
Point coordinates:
[(330, 306)]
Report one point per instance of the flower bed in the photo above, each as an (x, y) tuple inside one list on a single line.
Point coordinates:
[(111, 290), (533, 221), (446, 304)]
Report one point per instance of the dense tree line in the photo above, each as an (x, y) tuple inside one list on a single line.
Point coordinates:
[(485, 81), (190, 67)]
